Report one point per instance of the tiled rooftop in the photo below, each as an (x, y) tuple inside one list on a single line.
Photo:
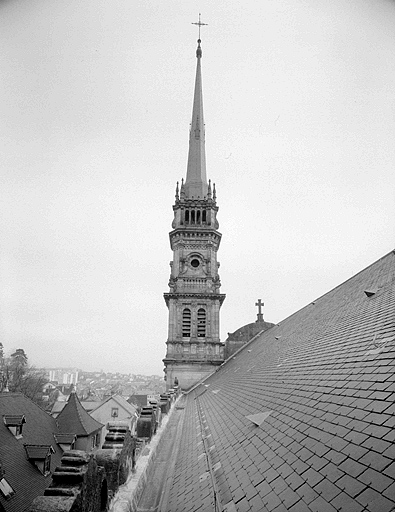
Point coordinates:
[(22, 475), (74, 418), (302, 418)]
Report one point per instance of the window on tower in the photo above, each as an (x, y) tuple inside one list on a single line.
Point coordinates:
[(186, 323), (186, 216), (201, 323)]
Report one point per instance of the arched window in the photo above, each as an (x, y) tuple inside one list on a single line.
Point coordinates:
[(186, 323), (201, 323), (186, 216)]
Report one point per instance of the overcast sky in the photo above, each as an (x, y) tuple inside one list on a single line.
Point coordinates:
[(95, 105)]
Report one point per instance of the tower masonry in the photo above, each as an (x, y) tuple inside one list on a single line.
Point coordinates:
[(194, 300)]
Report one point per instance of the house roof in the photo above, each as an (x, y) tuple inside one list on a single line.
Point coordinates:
[(74, 418), (120, 401), (303, 417), (22, 475), (88, 405)]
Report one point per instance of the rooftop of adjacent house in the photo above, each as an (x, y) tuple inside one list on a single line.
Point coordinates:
[(120, 401), (303, 417), (38, 434), (88, 405), (74, 418)]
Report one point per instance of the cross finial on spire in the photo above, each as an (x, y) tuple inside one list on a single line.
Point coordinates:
[(199, 23)]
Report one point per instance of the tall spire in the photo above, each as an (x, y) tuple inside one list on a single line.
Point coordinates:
[(196, 181)]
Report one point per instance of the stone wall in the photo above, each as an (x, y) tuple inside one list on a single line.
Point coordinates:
[(85, 482), (78, 485)]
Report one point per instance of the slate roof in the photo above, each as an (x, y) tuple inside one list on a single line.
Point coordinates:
[(22, 475), (74, 418), (302, 418)]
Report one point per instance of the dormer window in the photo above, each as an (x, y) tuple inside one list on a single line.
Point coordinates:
[(40, 456), (65, 441), (14, 423)]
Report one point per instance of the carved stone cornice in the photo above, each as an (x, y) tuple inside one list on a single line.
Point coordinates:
[(194, 295)]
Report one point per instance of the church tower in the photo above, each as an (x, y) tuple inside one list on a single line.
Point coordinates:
[(194, 349)]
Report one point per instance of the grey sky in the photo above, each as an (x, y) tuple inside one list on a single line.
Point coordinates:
[(96, 99)]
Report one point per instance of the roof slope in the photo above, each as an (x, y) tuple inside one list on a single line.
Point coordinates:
[(22, 475), (302, 418), (73, 418)]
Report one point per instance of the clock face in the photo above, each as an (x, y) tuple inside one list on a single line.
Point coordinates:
[(195, 263)]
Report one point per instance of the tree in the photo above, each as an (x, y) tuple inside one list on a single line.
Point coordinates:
[(17, 376)]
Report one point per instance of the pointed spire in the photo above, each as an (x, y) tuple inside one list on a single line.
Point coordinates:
[(196, 181), (177, 193)]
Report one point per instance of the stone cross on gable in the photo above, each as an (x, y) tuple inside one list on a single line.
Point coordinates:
[(260, 315)]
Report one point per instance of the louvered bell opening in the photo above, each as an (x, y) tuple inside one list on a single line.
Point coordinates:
[(201, 323), (186, 323)]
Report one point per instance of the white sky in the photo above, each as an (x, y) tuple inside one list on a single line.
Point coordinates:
[(95, 104)]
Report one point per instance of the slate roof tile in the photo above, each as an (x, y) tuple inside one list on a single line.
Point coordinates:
[(300, 506), (343, 502), (375, 501), (351, 467), (307, 493), (350, 485), (321, 505)]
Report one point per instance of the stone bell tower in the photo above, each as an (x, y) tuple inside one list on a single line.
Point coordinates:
[(194, 299)]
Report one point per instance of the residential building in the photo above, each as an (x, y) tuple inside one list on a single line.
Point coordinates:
[(115, 408), (73, 419)]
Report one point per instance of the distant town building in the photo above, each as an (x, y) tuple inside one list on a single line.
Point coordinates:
[(63, 375)]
